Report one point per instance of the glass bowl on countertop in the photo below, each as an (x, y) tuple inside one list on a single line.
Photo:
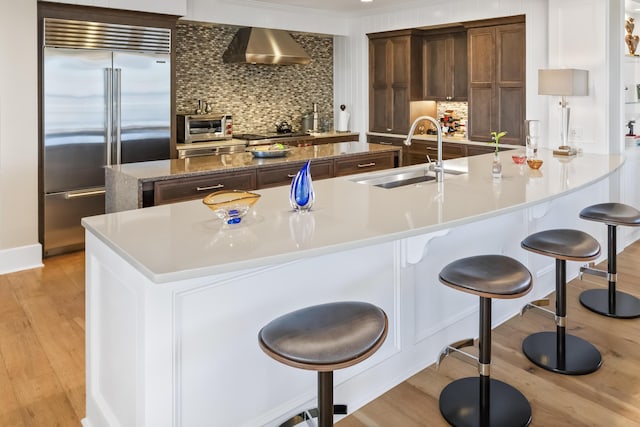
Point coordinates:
[(231, 205), (534, 163), (519, 158)]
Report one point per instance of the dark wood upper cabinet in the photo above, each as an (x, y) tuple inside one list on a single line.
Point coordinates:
[(395, 79), (445, 67), (497, 82)]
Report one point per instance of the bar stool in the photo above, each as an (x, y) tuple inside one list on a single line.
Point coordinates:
[(558, 351), (483, 401), (324, 338), (610, 302)]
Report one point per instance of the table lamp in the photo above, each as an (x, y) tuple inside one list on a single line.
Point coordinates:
[(564, 82)]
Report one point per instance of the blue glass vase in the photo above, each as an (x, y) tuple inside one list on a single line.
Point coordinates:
[(301, 196)]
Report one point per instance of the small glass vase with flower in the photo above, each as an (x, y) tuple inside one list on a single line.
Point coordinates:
[(496, 165)]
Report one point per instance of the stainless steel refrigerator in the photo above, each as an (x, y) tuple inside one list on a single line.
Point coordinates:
[(106, 101)]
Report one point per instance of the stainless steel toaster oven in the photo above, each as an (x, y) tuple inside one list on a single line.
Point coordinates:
[(204, 127)]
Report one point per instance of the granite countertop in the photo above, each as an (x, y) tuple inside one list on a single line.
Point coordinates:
[(445, 138), (233, 141), (184, 240), (193, 166)]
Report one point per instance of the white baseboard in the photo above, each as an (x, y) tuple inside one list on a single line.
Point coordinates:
[(20, 258)]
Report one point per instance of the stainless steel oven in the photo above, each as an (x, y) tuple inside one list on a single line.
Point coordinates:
[(204, 127)]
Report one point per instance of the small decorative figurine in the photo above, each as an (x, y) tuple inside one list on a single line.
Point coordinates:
[(631, 40)]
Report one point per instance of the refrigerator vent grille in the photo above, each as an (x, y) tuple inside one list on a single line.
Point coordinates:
[(97, 35)]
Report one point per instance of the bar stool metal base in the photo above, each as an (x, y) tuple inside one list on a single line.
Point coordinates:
[(312, 414), (460, 404), (623, 306), (580, 356)]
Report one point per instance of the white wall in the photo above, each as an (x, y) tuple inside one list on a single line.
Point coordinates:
[(19, 246), (169, 7), (251, 13), (578, 38)]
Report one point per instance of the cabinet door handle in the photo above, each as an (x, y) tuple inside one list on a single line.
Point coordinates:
[(291, 175), (389, 129), (431, 149), (384, 143), (211, 187), (366, 165)]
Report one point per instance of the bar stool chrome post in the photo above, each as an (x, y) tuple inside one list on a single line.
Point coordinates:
[(484, 401), (559, 351)]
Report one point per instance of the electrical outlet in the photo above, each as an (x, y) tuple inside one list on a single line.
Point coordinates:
[(575, 133)]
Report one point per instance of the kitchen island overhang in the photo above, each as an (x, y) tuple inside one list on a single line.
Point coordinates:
[(177, 301)]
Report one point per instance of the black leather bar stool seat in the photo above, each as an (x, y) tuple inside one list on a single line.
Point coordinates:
[(324, 338), (610, 302), (483, 401), (558, 351)]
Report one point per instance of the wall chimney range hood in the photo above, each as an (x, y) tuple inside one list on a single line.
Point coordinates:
[(253, 45)]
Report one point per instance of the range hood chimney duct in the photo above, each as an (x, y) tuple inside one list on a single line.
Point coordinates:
[(264, 46)]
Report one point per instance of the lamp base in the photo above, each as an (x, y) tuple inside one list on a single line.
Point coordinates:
[(565, 150)]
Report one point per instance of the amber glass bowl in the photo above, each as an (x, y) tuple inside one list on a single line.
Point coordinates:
[(231, 205), (534, 163)]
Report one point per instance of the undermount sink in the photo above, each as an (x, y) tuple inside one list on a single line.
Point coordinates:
[(396, 178)]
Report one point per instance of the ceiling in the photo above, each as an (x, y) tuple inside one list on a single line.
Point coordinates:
[(336, 5)]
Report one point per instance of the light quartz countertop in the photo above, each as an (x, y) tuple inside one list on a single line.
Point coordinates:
[(185, 240)]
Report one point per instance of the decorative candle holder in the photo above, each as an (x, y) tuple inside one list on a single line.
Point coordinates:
[(301, 196)]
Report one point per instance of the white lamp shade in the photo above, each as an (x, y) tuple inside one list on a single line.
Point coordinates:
[(563, 82)]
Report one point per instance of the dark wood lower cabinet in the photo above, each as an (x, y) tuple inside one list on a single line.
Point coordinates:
[(360, 164), (197, 187), (283, 174), (181, 189)]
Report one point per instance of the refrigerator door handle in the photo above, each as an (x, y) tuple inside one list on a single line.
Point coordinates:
[(108, 111), (76, 194), (118, 114)]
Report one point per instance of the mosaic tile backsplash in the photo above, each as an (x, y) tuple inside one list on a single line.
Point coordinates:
[(258, 96)]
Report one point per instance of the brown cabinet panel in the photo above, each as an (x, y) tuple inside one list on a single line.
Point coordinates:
[(481, 106), (283, 174), (385, 140), (395, 79), (511, 113), (445, 67), (366, 163), (335, 139), (511, 67), (180, 189), (418, 151), (481, 54), (436, 68), (474, 150), (497, 82)]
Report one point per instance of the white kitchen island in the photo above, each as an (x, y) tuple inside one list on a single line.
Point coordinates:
[(175, 299)]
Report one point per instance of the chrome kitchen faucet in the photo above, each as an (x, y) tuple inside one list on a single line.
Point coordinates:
[(438, 168)]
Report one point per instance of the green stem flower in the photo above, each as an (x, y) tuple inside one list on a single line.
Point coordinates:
[(495, 136)]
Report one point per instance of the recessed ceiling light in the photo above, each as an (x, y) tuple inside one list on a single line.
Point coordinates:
[(366, 1)]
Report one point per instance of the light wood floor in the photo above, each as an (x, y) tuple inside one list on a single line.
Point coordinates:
[(609, 397), (42, 359)]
